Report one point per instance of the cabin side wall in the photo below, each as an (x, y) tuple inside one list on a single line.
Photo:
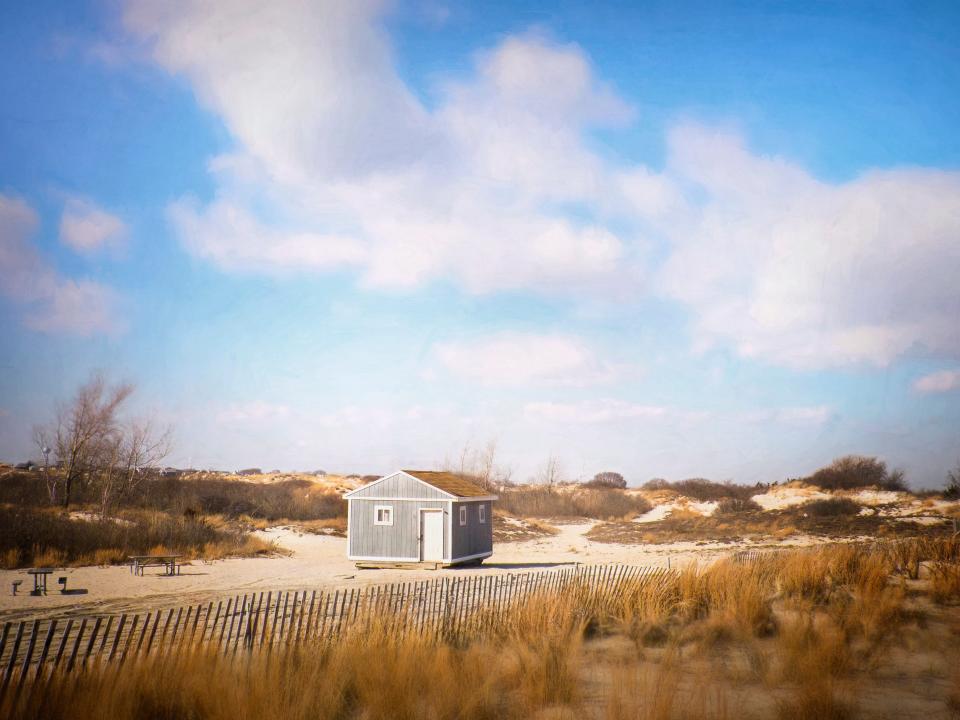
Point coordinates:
[(474, 538), (399, 541)]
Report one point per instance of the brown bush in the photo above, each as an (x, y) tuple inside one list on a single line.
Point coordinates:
[(705, 490), (732, 506), (857, 471), (832, 507), (545, 502), (48, 537)]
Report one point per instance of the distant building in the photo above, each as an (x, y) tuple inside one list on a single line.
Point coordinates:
[(250, 471), (419, 516)]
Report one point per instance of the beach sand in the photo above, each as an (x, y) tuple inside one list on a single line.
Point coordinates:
[(319, 562)]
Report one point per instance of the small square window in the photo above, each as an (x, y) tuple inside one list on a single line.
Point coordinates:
[(463, 515), (383, 515), (482, 513)]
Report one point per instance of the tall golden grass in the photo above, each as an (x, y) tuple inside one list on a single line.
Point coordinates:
[(810, 625)]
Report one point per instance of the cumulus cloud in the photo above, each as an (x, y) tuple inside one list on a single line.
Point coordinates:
[(255, 411), (808, 274), (51, 302), (495, 185), (593, 411), (519, 358), (802, 415), (938, 382), (87, 228), (350, 169)]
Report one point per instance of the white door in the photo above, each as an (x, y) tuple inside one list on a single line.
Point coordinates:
[(431, 535)]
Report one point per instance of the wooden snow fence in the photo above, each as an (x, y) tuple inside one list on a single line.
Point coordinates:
[(454, 607)]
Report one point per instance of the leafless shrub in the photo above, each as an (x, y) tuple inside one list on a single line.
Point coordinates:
[(546, 502), (856, 471), (832, 507), (607, 479)]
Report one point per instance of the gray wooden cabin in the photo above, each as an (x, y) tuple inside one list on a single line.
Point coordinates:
[(419, 516)]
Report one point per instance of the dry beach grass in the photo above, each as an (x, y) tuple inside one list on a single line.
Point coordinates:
[(839, 631)]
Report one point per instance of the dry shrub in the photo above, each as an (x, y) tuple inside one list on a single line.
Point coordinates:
[(513, 675), (30, 537), (857, 471), (945, 582), (736, 597), (707, 490), (546, 502), (329, 526), (832, 507), (732, 506)]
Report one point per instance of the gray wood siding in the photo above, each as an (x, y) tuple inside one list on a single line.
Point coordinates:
[(474, 537), (401, 485), (399, 540)]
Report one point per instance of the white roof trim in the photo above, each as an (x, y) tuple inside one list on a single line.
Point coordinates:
[(458, 498), (450, 496)]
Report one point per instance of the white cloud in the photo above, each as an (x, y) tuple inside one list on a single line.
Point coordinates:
[(52, 303), (86, 228), (347, 168), (593, 411), (807, 274), (938, 382), (256, 411), (228, 235), (518, 358), (800, 416), (494, 185)]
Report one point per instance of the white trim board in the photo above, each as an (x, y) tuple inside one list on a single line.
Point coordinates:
[(449, 495), (400, 472), (384, 559), (485, 498)]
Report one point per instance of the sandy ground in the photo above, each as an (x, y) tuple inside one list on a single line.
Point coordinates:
[(316, 562)]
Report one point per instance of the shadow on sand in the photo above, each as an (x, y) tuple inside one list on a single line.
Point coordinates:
[(512, 566)]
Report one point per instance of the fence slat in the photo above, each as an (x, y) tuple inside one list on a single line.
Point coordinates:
[(31, 645), (51, 631)]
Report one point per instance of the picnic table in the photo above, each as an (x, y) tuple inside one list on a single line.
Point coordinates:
[(40, 576), (168, 562)]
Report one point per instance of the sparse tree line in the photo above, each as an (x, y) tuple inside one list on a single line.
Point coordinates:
[(96, 448)]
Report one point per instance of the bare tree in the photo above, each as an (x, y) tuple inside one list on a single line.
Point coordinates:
[(96, 447), (550, 473), (124, 458), (481, 466), (951, 490), (85, 428)]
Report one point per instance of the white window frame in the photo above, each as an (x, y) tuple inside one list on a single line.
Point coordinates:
[(482, 513), (463, 515), (376, 514)]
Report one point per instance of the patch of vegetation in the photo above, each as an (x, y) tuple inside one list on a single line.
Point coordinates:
[(800, 634), (704, 490), (30, 537), (952, 489), (852, 472), (832, 507), (548, 502), (733, 506), (607, 479), (735, 527)]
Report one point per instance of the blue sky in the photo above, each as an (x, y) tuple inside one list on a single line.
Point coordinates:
[(664, 238)]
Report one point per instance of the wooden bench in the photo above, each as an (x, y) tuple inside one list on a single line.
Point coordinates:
[(167, 562)]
